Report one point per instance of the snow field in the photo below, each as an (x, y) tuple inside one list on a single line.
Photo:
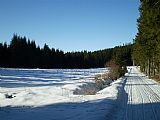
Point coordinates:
[(38, 87), (49, 98)]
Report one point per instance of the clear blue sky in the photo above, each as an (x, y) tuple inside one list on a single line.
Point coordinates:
[(70, 25)]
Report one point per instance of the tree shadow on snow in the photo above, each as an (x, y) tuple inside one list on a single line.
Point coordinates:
[(16, 81), (89, 110)]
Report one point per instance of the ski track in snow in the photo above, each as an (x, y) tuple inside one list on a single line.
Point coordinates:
[(139, 99), (133, 97)]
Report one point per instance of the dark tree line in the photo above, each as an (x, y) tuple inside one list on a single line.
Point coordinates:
[(24, 53), (147, 42), (121, 58)]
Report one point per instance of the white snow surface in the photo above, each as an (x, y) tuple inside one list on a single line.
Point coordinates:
[(44, 94), (48, 95)]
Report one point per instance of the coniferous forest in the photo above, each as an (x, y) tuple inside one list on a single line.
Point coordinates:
[(147, 42), (24, 53)]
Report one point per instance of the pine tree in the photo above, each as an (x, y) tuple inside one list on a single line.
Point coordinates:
[(146, 46)]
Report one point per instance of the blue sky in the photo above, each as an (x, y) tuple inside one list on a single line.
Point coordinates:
[(70, 25)]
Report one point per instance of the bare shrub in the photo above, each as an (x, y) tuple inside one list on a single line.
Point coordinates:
[(115, 71), (102, 80), (86, 89)]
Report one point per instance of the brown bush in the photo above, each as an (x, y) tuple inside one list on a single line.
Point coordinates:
[(115, 71), (157, 78)]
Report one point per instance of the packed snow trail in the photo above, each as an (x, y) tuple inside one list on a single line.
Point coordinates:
[(139, 98)]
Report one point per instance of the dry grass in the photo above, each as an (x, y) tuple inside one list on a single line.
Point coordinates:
[(90, 92), (102, 80), (156, 78)]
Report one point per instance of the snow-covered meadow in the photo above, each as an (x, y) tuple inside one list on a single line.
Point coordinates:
[(48, 94)]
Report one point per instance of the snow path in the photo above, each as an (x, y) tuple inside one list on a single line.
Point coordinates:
[(139, 98)]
